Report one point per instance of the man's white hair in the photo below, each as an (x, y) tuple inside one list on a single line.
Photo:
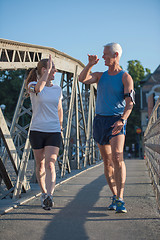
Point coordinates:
[(115, 47)]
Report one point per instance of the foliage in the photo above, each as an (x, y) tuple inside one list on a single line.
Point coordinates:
[(137, 71), (10, 85)]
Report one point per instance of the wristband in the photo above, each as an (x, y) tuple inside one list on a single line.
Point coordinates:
[(122, 120)]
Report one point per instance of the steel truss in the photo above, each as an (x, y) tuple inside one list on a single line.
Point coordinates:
[(78, 147)]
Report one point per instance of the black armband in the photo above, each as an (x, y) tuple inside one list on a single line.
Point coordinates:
[(131, 95)]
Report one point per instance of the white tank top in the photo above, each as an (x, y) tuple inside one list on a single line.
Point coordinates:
[(45, 109)]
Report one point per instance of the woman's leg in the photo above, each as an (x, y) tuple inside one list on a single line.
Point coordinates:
[(40, 168), (51, 153)]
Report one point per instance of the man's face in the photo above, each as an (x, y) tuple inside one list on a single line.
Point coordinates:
[(109, 58)]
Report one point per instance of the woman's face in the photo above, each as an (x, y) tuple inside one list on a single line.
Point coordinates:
[(52, 72)]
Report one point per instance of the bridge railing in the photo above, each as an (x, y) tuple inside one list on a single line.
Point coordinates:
[(152, 148)]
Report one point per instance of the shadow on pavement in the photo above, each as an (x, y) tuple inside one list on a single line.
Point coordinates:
[(69, 222)]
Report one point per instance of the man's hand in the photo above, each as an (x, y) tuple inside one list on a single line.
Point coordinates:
[(117, 127), (93, 59), (85, 76)]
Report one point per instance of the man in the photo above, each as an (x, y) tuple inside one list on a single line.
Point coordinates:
[(115, 98)]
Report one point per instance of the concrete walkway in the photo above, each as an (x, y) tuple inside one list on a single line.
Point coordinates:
[(80, 211)]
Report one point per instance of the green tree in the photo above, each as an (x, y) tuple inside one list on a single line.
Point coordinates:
[(10, 85), (138, 72)]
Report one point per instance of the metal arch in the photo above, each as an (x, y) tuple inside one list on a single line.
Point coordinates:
[(78, 103), (16, 55)]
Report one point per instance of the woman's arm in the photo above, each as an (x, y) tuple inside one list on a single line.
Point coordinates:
[(60, 113), (42, 81)]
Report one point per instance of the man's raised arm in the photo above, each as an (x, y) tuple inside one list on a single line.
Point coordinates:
[(85, 76)]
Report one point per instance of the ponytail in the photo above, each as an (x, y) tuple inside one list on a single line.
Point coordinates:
[(32, 77)]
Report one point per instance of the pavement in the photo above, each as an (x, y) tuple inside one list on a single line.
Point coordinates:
[(80, 211)]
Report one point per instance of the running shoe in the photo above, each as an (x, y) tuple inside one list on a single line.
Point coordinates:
[(112, 206), (48, 202), (120, 206), (43, 197)]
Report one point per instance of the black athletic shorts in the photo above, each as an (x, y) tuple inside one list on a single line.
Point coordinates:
[(39, 140), (102, 128)]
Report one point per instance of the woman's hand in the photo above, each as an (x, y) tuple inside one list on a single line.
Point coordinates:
[(49, 63)]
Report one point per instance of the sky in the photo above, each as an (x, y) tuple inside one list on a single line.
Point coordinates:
[(83, 27)]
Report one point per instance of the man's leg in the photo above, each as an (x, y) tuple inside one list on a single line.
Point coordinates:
[(106, 154), (117, 145)]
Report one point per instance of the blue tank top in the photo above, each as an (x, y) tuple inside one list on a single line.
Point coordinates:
[(110, 95)]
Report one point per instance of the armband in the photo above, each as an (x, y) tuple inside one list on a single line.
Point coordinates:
[(131, 95), (32, 88)]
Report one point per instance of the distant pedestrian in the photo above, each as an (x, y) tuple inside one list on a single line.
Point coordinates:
[(46, 125), (115, 98)]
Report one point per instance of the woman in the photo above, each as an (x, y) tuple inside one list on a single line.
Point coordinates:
[(46, 126)]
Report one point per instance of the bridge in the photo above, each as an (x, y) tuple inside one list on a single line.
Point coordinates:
[(80, 191)]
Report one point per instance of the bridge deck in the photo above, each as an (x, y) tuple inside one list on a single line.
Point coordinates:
[(80, 210)]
